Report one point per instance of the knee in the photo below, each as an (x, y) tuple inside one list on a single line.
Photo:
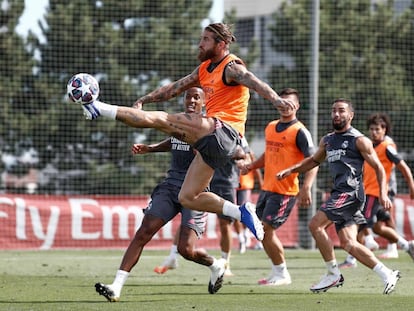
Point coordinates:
[(348, 245), (186, 251), (185, 199), (314, 226)]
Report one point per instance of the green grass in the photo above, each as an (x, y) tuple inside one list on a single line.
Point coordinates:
[(64, 280)]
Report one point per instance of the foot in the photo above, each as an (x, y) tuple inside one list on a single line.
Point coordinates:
[(371, 244), (168, 264), (410, 250), (90, 111), (216, 278), (348, 264), (328, 281), (390, 254), (391, 282), (276, 280), (250, 219), (107, 292)]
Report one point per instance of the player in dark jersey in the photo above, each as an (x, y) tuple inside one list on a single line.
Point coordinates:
[(346, 149), (377, 218), (164, 206)]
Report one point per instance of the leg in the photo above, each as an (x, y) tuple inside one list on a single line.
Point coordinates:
[(171, 261), (150, 225), (226, 241), (275, 251)]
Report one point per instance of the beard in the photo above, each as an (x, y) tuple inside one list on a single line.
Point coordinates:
[(205, 55), (339, 126)]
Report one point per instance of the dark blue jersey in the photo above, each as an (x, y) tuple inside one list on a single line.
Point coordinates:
[(181, 156)]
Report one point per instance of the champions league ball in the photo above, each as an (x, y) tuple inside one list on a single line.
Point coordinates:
[(83, 88)]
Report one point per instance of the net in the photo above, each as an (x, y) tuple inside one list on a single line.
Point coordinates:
[(134, 46)]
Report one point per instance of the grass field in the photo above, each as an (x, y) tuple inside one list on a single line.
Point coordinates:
[(64, 280)]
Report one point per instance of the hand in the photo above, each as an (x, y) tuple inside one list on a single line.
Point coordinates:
[(283, 174), (386, 203), (244, 169), (140, 149), (137, 105), (284, 102)]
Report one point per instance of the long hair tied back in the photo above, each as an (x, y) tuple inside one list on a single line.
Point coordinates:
[(222, 31)]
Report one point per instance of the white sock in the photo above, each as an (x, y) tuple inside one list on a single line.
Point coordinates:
[(232, 210), (120, 279), (225, 255), (173, 251), (332, 267), (106, 110), (350, 259), (214, 264), (382, 271), (403, 243), (279, 268)]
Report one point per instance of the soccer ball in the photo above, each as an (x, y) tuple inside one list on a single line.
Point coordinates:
[(83, 88)]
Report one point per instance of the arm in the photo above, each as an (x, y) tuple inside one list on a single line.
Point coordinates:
[(306, 164), (236, 72), (255, 165), (364, 145), (408, 176), (162, 146), (304, 196), (170, 90)]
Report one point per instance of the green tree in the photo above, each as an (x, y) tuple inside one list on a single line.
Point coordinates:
[(361, 55), (131, 46)]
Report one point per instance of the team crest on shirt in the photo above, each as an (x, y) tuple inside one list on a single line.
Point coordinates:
[(345, 144)]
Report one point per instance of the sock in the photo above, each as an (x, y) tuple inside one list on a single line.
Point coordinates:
[(279, 268), (332, 267), (225, 255), (350, 259), (106, 110), (214, 264), (173, 251), (382, 271), (403, 243), (242, 238), (120, 279), (232, 210)]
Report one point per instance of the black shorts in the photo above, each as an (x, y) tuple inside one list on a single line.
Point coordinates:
[(274, 208), (344, 209), (164, 204), (374, 211), (218, 147)]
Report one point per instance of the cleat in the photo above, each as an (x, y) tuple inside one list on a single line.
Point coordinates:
[(391, 282), (390, 254), (276, 280), (106, 291), (250, 219), (410, 250), (216, 278), (348, 264), (168, 264), (227, 272), (90, 111), (328, 281)]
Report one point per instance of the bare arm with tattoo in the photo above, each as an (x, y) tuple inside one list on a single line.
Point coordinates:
[(169, 91), (236, 72)]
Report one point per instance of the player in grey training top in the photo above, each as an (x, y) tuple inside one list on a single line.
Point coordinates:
[(164, 206), (346, 149)]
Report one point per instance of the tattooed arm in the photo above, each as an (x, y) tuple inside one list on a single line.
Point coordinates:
[(170, 90), (237, 72)]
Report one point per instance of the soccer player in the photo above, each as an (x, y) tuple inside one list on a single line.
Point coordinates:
[(346, 149), (379, 126), (226, 83), (164, 206), (287, 142)]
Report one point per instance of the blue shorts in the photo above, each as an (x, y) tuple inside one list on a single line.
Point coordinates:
[(344, 209), (218, 147), (164, 204), (274, 208)]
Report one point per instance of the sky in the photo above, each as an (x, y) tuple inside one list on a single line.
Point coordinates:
[(35, 9)]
